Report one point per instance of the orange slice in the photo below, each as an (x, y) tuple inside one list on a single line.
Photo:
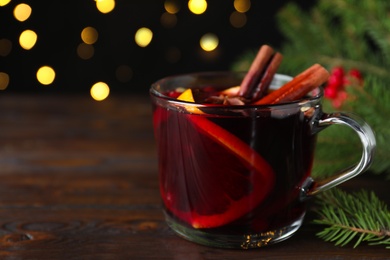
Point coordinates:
[(220, 196), (188, 97)]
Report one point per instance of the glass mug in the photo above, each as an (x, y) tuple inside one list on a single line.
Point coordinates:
[(239, 176)]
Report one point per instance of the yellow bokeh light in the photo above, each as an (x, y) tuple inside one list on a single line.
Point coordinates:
[(242, 6), (100, 91), (143, 37), (171, 6), (4, 2), (105, 6), (46, 75), (22, 12), (197, 6), (27, 39), (89, 35), (4, 80), (209, 42)]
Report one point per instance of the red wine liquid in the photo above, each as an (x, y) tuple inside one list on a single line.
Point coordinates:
[(199, 175)]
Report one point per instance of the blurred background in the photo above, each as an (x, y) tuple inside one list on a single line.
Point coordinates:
[(124, 46)]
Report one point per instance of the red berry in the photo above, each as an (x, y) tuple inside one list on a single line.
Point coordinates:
[(338, 72), (339, 99), (330, 92), (356, 74), (335, 82), (354, 77), (336, 79)]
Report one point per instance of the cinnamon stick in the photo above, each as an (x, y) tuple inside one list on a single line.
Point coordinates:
[(298, 87), (257, 80), (266, 79)]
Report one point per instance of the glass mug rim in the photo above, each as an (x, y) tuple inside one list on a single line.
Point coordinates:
[(314, 96)]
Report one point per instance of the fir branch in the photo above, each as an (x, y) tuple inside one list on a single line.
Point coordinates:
[(351, 34), (359, 217), (338, 146), (372, 103)]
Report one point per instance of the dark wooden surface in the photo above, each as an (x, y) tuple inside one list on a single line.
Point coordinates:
[(78, 180)]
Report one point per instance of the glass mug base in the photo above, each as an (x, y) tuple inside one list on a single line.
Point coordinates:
[(244, 241)]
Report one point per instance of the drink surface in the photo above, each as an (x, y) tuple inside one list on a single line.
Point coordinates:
[(209, 185)]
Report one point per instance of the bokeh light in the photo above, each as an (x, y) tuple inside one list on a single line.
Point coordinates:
[(197, 6), (5, 47), (242, 6), (155, 31), (22, 12), (4, 2), (209, 42), (85, 51), (105, 6), (237, 19), (89, 35), (143, 37), (171, 6), (27, 39), (46, 75), (4, 80), (100, 91)]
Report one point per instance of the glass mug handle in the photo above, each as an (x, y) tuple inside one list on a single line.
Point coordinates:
[(367, 138)]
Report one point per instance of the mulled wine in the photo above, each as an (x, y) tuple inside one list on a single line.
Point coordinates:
[(206, 184), (234, 175)]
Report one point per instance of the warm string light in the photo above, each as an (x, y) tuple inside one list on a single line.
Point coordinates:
[(27, 39), (89, 35), (242, 6), (238, 18), (22, 12), (4, 80), (4, 2), (197, 6), (143, 37), (5, 49), (46, 75), (209, 42), (105, 6), (100, 91), (171, 6)]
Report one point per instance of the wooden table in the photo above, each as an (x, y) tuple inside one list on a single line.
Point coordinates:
[(78, 180)]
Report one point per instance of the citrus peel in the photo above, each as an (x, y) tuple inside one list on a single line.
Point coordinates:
[(188, 97)]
